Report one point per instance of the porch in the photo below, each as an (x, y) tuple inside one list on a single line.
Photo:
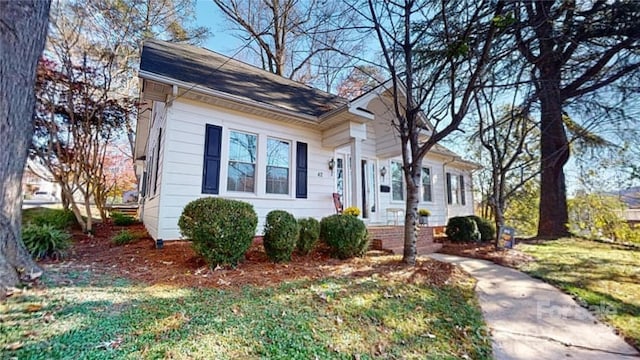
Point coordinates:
[(391, 238)]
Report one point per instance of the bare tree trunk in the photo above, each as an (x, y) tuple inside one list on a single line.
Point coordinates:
[(23, 29), (411, 216)]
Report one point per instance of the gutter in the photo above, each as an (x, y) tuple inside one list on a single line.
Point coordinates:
[(314, 120)]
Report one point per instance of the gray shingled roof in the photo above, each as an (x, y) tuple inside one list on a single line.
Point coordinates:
[(214, 71)]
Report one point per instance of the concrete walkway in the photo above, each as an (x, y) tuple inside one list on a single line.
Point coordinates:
[(530, 319)]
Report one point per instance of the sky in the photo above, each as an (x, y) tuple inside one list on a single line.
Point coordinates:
[(220, 41)]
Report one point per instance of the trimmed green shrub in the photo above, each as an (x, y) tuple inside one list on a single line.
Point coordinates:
[(120, 219), (46, 241), (486, 228), (58, 218), (280, 235), (462, 229), (346, 235), (308, 235), (124, 237), (221, 230)]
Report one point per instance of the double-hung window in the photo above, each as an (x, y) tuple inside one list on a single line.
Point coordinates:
[(243, 150), (426, 185), (278, 163), (397, 185), (455, 189)]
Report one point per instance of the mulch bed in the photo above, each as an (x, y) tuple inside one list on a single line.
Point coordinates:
[(505, 257), (176, 264)]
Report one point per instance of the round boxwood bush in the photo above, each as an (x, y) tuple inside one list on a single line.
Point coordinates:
[(308, 235), (346, 235), (280, 235), (485, 227), (462, 229), (221, 230)]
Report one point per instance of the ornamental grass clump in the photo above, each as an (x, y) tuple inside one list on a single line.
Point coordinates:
[(46, 241), (221, 230), (308, 235), (346, 235), (280, 235)]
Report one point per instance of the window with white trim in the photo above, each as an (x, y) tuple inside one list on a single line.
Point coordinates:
[(455, 189), (278, 164), (426, 195), (243, 149), (397, 184)]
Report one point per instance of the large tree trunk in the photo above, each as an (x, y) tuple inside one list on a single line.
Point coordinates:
[(23, 29), (554, 149), (411, 215)]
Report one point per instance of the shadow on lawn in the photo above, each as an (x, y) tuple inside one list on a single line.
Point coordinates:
[(588, 277), (328, 318)]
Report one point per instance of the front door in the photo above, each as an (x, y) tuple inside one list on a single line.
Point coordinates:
[(343, 179), (368, 188)]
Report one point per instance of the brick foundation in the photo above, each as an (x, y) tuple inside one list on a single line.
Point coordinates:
[(391, 238)]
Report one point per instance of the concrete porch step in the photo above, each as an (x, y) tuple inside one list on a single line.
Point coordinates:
[(131, 210)]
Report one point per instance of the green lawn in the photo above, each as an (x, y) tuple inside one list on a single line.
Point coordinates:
[(604, 277), (334, 318)]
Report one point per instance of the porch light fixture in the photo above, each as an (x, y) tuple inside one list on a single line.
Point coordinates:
[(332, 164), (383, 172)]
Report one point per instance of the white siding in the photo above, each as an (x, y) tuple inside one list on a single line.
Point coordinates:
[(387, 139), (184, 151), (440, 210), (180, 181), (151, 208), (458, 209)]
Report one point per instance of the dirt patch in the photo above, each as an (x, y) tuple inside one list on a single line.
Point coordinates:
[(505, 257), (176, 264)]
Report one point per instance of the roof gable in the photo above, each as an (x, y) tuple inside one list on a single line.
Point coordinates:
[(206, 68)]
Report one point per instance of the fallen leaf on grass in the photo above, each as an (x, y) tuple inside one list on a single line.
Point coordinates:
[(14, 346), (31, 334), (48, 317), (378, 349), (33, 308), (200, 270), (112, 344)]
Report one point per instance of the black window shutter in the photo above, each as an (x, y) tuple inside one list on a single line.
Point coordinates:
[(301, 170), (211, 171), (462, 199), (449, 197)]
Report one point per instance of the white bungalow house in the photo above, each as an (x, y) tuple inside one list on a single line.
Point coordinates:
[(214, 126)]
